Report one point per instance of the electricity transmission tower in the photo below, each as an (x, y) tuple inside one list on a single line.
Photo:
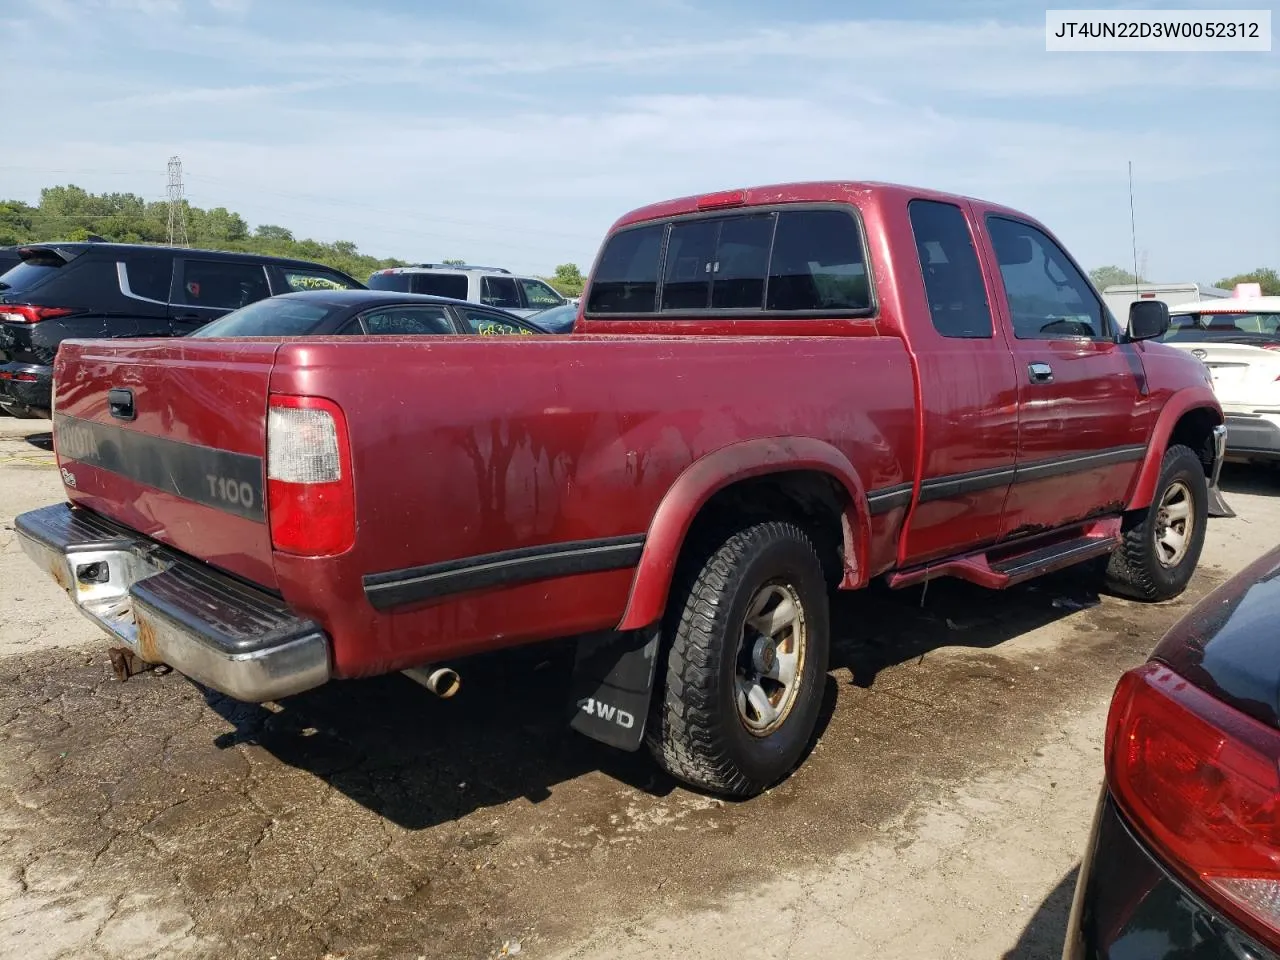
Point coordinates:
[(177, 208)]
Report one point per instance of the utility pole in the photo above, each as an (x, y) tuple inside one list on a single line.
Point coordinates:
[(177, 207)]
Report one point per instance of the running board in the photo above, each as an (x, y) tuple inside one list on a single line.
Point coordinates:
[(1006, 564)]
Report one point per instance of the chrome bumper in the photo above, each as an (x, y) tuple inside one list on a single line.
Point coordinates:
[(168, 608)]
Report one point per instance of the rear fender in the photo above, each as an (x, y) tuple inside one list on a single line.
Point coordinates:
[(1179, 404), (705, 477)]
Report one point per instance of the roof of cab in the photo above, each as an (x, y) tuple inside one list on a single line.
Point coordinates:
[(813, 191)]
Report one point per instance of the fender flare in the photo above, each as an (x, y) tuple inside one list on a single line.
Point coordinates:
[(1178, 405), (708, 475)]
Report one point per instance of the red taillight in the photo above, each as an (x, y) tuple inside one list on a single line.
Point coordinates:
[(311, 504), (25, 313), (1271, 346), (1201, 782)]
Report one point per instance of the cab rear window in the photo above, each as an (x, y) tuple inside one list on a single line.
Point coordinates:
[(788, 261)]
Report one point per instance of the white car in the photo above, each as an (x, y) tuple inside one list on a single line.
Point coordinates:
[(493, 286), (1238, 339)]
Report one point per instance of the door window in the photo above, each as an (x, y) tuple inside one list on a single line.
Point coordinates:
[(538, 295), (487, 324), (1049, 299), (223, 284), (407, 321), (500, 292), (952, 276), (296, 279)]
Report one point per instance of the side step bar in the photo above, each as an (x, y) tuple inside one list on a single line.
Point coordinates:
[(1003, 565)]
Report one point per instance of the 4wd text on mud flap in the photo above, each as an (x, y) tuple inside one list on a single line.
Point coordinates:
[(604, 711), (230, 491)]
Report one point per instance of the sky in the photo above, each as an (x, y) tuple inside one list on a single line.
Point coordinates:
[(514, 134)]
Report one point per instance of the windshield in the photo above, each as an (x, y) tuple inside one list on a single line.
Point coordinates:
[(273, 317), (1185, 327)]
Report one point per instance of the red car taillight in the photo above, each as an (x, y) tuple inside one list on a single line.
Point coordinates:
[(311, 503), (1201, 782), (24, 313)]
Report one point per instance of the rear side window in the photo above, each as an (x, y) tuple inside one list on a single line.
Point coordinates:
[(451, 285), (223, 284), (952, 276), (626, 278), (30, 274), (147, 276), (500, 292), (397, 282)]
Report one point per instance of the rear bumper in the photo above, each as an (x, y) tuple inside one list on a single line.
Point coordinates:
[(168, 608), (29, 395), (1253, 435), (1128, 906)]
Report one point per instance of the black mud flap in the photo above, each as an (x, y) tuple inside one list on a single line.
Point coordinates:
[(612, 685), (1217, 505)]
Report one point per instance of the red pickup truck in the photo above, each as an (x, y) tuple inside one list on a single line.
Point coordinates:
[(769, 393)]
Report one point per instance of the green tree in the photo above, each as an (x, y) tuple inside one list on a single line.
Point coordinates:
[(1109, 276), (568, 280), (1266, 277), (451, 262), (273, 234)]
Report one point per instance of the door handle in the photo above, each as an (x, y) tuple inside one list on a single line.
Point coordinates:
[(120, 403), (1040, 372)]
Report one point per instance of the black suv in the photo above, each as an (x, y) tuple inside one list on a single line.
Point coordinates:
[(65, 290)]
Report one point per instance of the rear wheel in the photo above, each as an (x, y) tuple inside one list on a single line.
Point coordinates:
[(745, 663), (1162, 543)]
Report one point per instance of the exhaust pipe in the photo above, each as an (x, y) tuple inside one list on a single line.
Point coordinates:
[(442, 681)]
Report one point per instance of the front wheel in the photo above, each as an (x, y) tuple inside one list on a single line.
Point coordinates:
[(745, 663), (1162, 544)]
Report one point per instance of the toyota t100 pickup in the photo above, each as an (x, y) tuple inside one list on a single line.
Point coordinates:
[(769, 393)]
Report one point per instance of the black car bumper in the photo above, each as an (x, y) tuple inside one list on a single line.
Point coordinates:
[(26, 388), (1129, 907)]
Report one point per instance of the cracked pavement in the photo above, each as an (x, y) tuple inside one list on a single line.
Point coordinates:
[(940, 814)]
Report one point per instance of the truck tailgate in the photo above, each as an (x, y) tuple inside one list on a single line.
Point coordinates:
[(168, 437)]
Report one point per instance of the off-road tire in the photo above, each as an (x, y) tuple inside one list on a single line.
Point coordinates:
[(1134, 569), (695, 732)]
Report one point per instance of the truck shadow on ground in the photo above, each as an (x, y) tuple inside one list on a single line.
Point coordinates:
[(1043, 936), (880, 628), (420, 761)]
